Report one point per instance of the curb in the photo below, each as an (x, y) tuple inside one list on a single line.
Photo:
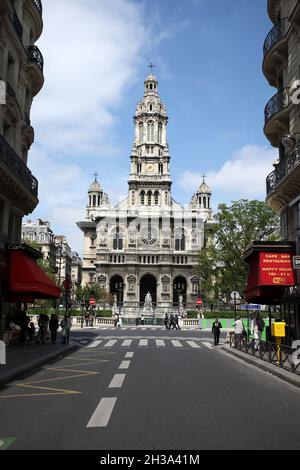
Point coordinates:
[(33, 366), (282, 374)]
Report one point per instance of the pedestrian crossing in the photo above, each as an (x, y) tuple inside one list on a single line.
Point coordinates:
[(159, 343)]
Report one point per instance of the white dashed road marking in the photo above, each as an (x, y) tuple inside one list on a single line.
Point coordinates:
[(110, 343), (126, 343), (177, 344), (102, 413), (124, 365), (117, 381), (94, 344)]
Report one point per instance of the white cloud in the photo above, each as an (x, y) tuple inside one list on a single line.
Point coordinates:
[(243, 176), (91, 51)]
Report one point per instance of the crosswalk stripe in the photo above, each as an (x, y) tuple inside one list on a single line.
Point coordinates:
[(110, 343), (126, 343), (208, 345), (143, 342), (177, 344), (129, 355), (160, 342), (94, 344), (193, 344), (102, 413)]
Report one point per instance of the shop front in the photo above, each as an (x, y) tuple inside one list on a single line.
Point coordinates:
[(272, 282)]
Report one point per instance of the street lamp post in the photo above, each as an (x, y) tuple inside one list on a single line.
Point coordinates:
[(119, 288)]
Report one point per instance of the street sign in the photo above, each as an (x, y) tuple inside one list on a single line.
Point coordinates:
[(296, 262), (251, 307), (92, 301), (199, 301)]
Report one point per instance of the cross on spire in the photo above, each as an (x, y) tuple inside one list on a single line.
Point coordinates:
[(203, 176), (151, 66), (96, 175)]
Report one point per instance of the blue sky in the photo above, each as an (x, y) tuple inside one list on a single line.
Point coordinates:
[(208, 57)]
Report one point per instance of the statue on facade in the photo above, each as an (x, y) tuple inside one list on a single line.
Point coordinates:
[(148, 307), (115, 309)]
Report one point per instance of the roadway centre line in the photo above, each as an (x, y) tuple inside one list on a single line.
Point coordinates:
[(102, 413), (124, 365), (94, 344), (117, 381)]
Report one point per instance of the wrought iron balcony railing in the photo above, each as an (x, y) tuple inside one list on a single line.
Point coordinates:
[(277, 103), (275, 35), (38, 5), (35, 55), (9, 157), (283, 169)]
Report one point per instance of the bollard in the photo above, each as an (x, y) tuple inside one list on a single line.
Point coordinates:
[(2, 353)]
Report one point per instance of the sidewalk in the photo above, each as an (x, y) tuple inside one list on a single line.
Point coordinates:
[(282, 374), (24, 358)]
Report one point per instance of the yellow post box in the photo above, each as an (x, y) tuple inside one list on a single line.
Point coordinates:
[(278, 329)]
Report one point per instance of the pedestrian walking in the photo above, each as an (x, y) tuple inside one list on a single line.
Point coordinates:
[(239, 331), (142, 320), (216, 330), (166, 321), (66, 325), (31, 332), (172, 322), (43, 323), (53, 327), (177, 322), (23, 323), (257, 328)]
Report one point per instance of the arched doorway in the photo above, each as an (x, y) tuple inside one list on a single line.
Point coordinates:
[(116, 287), (179, 288), (148, 283)]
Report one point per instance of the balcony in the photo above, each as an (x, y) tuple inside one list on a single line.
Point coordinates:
[(275, 51), (277, 116), (283, 184), (35, 68), (38, 5), (12, 161)]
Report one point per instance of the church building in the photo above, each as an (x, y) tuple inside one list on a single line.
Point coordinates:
[(148, 242)]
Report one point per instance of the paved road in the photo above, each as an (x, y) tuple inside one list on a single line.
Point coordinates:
[(149, 389)]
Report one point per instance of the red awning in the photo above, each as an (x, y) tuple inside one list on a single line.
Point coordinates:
[(28, 281)]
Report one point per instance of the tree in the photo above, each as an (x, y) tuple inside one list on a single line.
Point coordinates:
[(221, 267)]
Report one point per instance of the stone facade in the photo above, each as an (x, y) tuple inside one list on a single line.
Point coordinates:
[(63, 259), (281, 67), (148, 242), (41, 234), (21, 78), (76, 269)]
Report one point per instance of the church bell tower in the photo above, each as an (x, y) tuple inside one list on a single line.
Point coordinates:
[(150, 179)]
